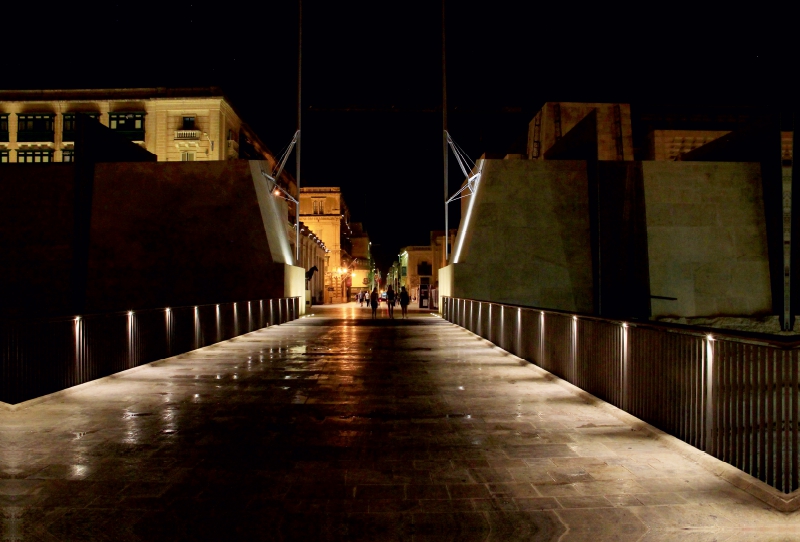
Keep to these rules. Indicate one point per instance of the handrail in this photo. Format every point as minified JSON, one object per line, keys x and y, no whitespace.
{"x":782,"y":341}
{"x":45,"y":355}
{"x":68,"y":318}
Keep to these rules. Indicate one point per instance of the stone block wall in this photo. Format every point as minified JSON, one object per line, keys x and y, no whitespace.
{"x":707,"y":240}
{"x":162,"y":234}
{"x":692,"y":231}
{"x":528,"y":237}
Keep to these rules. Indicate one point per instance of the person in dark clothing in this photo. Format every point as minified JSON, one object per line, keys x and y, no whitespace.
{"x":390,"y":299}
{"x":404,"y":301}
{"x":373,"y":301}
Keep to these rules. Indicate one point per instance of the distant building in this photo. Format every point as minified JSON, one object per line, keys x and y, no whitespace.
{"x":362,"y":259}
{"x":437,"y":247}
{"x":312,"y":254}
{"x":325,"y":213}
{"x":418,"y":266}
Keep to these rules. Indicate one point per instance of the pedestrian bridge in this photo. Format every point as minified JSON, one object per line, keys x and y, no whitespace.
{"x":335,"y":426}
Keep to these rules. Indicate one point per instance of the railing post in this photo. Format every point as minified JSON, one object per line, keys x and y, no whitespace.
{"x":625,"y":360}
{"x":708,"y":380}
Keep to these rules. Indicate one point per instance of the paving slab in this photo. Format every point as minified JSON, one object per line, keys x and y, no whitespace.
{"x":340,"y":427}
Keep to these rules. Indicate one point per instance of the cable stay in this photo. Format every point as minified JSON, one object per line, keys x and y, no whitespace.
{"x":467,"y":167}
{"x":276,"y":173}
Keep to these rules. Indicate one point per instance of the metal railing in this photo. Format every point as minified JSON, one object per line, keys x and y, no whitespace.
{"x":41,"y":356}
{"x":733,"y":395}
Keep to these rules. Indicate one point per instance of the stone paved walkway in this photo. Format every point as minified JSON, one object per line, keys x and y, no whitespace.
{"x":337,"y":427}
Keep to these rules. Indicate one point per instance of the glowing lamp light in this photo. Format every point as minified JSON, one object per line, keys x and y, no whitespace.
{"x":710,"y":337}
{"x":276,"y":192}
{"x":130,"y":313}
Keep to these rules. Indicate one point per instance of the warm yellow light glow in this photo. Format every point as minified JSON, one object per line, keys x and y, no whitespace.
{"x":463,"y":232}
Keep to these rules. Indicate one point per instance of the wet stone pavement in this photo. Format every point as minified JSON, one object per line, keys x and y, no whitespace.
{"x":337,"y":427}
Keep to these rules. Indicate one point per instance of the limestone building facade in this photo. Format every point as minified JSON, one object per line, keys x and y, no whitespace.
{"x":312,"y":254}
{"x":361,"y":264}
{"x":416,"y":268}
{"x":174,"y":124}
{"x":324,"y":212}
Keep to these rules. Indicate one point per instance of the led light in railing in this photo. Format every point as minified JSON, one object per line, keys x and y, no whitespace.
{"x":574,"y":317}
{"x":710,"y":337}
{"x":624,"y":325}
{"x":130,"y":313}
{"x":167,"y":309}
{"x":77,"y":318}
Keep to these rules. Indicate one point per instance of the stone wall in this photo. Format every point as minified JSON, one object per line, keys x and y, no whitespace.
{"x":707,"y":240}
{"x":528,"y":239}
{"x":161,"y":235}
{"x":36,"y":234}
{"x":692,"y":231}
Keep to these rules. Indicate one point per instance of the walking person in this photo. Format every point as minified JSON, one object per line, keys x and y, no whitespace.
{"x":373,"y":301}
{"x":390,"y":299}
{"x":404,"y":301}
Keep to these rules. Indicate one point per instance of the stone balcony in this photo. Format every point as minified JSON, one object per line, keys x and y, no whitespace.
{"x":187,"y":135}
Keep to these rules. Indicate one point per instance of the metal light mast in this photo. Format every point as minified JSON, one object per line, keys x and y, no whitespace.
{"x":445,"y":255}
{"x":299,"y":119}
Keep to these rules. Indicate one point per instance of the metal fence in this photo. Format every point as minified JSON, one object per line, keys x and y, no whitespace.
{"x":732,"y":395}
{"x":42,"y":356}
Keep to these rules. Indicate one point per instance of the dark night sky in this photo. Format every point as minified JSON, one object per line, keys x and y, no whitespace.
{"x":372,"y":76}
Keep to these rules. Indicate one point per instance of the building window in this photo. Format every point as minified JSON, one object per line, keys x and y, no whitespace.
{"x":70,"y":125}
{"x":424,"y":268}
{"x":68,"y":156}
{"x":34,"y":157}
{"x":318,"y":206}
{"x":3,"y":127}
{"x":35,"y":127}
{"x":131,"y":125}
{"x":187,"y":157}
{"x":188,"y":123}
{"x":3,"y":157}
{"x":403,"y":271}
